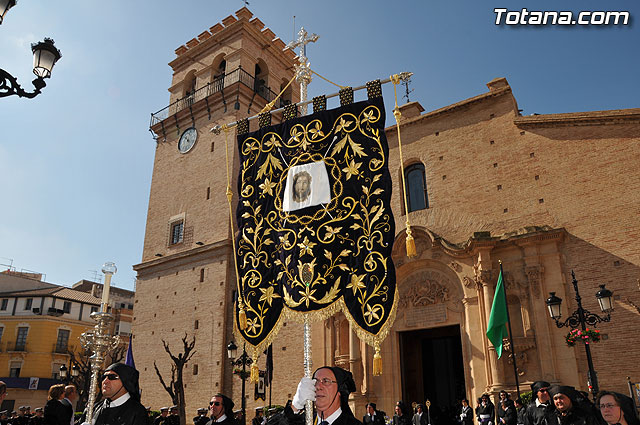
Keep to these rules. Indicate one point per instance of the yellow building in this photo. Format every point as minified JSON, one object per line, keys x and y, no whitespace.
{"x":39,"y":325}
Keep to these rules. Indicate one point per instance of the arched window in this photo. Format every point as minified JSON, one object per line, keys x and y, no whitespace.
{"x":261,"y":73}
{"x":416,"y":187}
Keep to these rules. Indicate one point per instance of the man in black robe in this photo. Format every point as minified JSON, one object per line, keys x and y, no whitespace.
{"x":567,"y":410}
{"x":121,"y":398}
{"x":373,"y":416}
{"x":221,"y":410}
{"x":329,"y":388}
{"x":486,"y":411}
{"x":540,"y":407}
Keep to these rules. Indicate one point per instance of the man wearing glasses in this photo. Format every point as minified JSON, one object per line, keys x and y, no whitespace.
{"x":540,"y":407}
{"x":221,"y":409}
{"x":330,"y":389}
{"x":121,"y":398}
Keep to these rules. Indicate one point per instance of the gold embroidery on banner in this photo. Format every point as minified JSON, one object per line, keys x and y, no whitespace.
{"x":266,"y":241}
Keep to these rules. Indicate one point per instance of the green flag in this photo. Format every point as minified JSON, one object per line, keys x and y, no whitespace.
{"x":497,"y":329}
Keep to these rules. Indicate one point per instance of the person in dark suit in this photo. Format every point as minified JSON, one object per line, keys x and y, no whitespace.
{"x":257,"y":420}
{"x":419,"y":418}
{"x":70,"y":397}
{"x":402,"y":415}
{"x":38,"y":417}
{"x":466,"y":413}
{"x":373,"y":416}
{"x":54,"y":411}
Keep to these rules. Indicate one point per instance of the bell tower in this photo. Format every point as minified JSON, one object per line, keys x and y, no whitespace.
{"x":186,"y":279}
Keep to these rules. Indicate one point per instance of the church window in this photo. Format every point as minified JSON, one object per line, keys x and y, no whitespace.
{"x":177,"y":232}
{"x":28,"y":303}
{"x":67,"y":307}
{"x":4,"y":304}
{"x":416,"y":187}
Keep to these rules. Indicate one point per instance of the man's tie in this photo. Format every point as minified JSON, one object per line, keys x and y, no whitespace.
{"x":324,"y":423}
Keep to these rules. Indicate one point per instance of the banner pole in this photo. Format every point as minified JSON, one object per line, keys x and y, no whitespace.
{"x":307,"y":366}
{"x":513,"y":347}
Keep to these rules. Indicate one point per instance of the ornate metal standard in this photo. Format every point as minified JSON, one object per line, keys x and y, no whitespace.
{"x":303,"y":76}
{"x":303,"y":70}
{"x":99,"y":341}
{"x":244,"y":360}
{"x":583,"y":317}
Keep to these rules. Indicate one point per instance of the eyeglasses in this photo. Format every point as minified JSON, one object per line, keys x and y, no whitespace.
{"x":110,"y":377}
{"x":543,"y":390}
{"x":607,"y":406}
{"x":326,"y":381}
{"x":214,"y":403}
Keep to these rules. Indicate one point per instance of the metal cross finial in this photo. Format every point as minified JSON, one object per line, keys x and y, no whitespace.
{"x":303,"y":70}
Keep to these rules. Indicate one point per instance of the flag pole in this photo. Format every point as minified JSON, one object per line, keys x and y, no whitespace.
{"x":513,"y":347}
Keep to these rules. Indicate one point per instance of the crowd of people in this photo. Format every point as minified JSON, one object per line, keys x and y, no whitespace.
{"x":329,"y":391}
{"x":553,"y":405}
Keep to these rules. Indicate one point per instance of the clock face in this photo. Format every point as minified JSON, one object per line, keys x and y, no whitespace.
{"x":187,"y":140}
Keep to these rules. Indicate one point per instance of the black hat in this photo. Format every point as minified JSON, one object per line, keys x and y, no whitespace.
{"x":129,"y":377}
{"x":564,"y":389}
{"x":346,"y":385}
{"x":227,"y":403}
{"x":535,"y":387}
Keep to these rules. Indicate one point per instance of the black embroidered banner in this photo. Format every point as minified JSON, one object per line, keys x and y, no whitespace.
{"x":315,"y":223}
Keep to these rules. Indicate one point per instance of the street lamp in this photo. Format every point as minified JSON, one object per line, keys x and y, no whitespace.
{"x":581,"y":318}
{"x":244,"y":361}
{"x":45,"y":56}
{"x":5,"y":5}
{"x":75,"y":371}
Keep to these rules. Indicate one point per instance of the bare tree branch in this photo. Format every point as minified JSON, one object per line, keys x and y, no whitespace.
{"x":175,"y":388}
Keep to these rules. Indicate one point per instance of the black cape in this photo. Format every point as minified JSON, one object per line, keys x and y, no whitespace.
{"x":288,"y":417}
{"x":130,"y":413}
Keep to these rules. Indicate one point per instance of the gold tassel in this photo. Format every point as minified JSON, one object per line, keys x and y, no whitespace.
{"x":411,"y":244}
{"x":377,"y":362}
{"x":255,"y":372}
{"x":242,"y":316}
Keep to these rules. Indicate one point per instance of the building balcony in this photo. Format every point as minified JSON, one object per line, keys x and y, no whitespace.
{"x":61,"y":349}
{"x":219,"y":84}
{"x":16,"y":347}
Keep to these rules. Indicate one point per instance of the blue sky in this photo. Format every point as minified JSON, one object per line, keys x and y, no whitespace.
{"x":76,"y":161}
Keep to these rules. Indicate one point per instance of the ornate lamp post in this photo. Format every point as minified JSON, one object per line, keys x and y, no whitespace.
{"x":581,"y":318}
{"x":45,"y":55}
{"x":64,"y":373}
{"x":5,"y":5}
{"x":244,"y":361}
{"x":100,"y":340}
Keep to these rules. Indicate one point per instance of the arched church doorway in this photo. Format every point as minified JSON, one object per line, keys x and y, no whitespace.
{"x":432,"y":369}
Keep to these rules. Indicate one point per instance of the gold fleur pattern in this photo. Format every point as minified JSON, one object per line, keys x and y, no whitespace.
{"x":325,"y":258}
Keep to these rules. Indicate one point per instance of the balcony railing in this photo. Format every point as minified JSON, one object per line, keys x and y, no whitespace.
{"x":60,"y":349}
{"x":18,"y":346}
{"x":217,"y":85}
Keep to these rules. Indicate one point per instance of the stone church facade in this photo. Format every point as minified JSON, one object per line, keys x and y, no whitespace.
{"x":544,"y":194}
